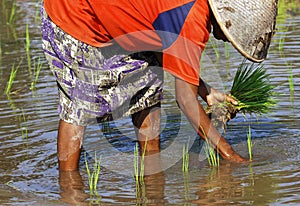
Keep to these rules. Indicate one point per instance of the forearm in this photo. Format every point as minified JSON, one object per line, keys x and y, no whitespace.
{"x":187,"y":99}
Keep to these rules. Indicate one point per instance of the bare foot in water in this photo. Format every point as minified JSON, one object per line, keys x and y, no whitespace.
{"x":229,"y":154}
{"x":236,"y":158}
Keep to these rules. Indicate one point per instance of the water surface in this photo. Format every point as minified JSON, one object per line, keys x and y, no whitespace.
{"x":28,"y":122}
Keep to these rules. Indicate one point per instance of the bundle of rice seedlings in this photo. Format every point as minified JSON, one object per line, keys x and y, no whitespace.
{"x":252,"y":89}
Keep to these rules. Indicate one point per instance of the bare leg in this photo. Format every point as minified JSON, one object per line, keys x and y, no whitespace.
{"x":147,"y":124}
{"x":69,"y":145}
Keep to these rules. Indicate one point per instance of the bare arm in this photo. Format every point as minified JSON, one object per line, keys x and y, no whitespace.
{"x":204,"y":90}
{"x":187,"y":99}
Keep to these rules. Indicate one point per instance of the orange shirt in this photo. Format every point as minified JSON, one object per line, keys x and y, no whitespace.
{"x":179,"y":28}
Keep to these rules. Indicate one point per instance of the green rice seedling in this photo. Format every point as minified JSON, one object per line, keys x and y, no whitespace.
{"x":37,"y":68}
{"x":136,"y":162}
{"x":212,"y":156}
{"x":93,"y":176}
{"x":207,"y":149}
{"x":37,"y":16}
{"x":226,"y":48}
{"x":97,"y":168}
{"x":136,"y":169}
{"x":294,"y":6}
{"x":12,"y":105}
{"x":214,"y":44}
{"x":12,"y":76}
{"x":281,"y":43}
{"x":12,"y":13}
{"x":27,"y":47}
{"x":185,"y":158}
{"x":249,"y":143}
{"x":139,"y":172}
{"x":139,"y":165}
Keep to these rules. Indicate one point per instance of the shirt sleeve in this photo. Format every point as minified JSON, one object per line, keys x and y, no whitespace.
{"x":182,"y":57}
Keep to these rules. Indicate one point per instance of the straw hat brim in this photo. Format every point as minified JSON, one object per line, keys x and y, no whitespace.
{"x":248,"y":24}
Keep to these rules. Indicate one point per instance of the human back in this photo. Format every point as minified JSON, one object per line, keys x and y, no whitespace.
{"x":97,"y":22}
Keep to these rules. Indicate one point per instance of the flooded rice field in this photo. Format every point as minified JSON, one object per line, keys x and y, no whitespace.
{"x":28,"y":129}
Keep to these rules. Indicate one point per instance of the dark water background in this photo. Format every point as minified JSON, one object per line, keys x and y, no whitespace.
{"x":28,"y":122}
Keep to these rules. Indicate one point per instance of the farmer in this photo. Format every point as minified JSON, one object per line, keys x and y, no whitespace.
{"x":106,"y":54}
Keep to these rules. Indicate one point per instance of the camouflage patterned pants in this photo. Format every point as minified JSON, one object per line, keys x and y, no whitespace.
{"x":95,"y":85}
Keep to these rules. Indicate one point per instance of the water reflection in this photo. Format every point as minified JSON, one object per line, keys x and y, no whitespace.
{"x":28,"y":169}
{"x":219,"y":187}
{"x":72,"y":188}
{"x":152,"y":191}
{"x":230,"y":185}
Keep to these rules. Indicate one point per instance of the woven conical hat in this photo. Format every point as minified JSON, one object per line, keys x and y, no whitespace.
{"x":248,"y":24}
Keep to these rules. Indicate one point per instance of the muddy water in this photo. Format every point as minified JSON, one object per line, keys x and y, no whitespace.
{"x":28,"y":122}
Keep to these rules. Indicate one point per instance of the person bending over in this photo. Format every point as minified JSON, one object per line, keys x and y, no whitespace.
{"x":107,"y":57}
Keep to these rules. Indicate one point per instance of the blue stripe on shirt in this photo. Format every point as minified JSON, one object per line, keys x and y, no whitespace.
{"x":169,"y":23}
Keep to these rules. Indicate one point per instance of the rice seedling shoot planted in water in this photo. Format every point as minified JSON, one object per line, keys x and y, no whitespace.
{"x":11,"y":79}
{"x":185,"y":157}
